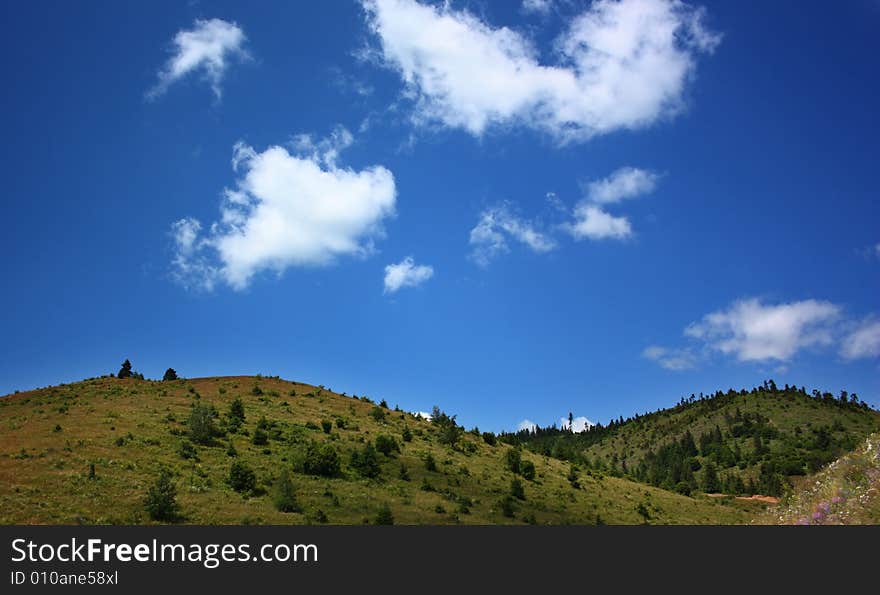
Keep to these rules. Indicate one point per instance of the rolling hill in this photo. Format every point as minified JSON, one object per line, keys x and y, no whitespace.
{"x":739,"y":442}
{"x":261,"y":450}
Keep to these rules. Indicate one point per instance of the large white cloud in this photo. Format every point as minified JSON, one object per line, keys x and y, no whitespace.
{"x":618,"y":65}
{"x":207,"y":48}
{"x":752,"y":331}
{"x":406,"y":273}
{"x":863,"y":341}
{"x":299,"y":209}
{"x":489,"y":238}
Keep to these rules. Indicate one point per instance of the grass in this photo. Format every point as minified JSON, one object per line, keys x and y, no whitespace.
{"x":129,"y":430}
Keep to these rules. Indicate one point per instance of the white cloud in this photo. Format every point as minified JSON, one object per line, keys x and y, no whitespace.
{"x":626,"y":182}
{"x":207,"y":47}
{"x":578,"y":424}
{"x":619,"y":65}
{"x":526,"y":424}
{"x":863,"y":342}
{"x":423,"y":414}
{"x":286,"y":210}
{"x":592,"y":222}
{"x":671,"y":359}
{"x":537,"y":6}
{"x":406,"y":274}
{"x":752,"y":331}
{"x":489,"y":237}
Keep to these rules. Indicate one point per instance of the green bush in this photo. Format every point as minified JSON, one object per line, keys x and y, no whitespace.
{"x":407,"y":435}
{"x":513,"y":460}
{"x":384,"y":516}
{"x":235,"y":415}
{"x":242,"y":478}
{"x":430,"y":463}
{"x":326,"y":425}
{"x":508,"y":509}
{"x":489,"y":438}
{"x":201,"y":426}
{"x":386,"y":444}
{"x":188,"y":451}
{"x":517,"y":490}
{"x":378,"y":414}
{"x":527,"y":469}
{"x":366,"y":462}
{"x":285,"y":495}
{"x":161,"y":499}
{"x":317,"y":459}
{"x":260,"y":437}
{"x":341,"y":423}
{"x":404,"y":473}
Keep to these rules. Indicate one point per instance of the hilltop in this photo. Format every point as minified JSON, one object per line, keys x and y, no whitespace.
{"x":746,"y":442}
{"x":239,"y":450}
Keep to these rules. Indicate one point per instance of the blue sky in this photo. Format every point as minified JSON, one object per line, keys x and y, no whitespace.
{"x":509,"y":210}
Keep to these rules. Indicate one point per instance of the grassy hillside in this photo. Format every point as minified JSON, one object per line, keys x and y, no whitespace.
{"x":89,"y":452}
{"x":746,"y":442}
{"x":846,"y":492}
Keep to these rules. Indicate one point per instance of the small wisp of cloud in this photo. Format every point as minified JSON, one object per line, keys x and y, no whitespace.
{"x":406,"y":273}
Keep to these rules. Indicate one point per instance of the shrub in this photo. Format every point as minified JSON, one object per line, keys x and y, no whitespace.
{"x":161,"y":499}
{"x":404,"y":473}
{"x":378,"y":414}
{"x":573,"y":477}
{"x":231,"y":452}
{"x":200,"y":424}
{"x":507,"y":507}
{"x":383,"y":404}
{"x":517,"y":490}
{"x":285,"y":495}
{"x":384,"y":516}
{"x":170,"y":374}
{"x":365,"y":461}
{"x":386,"y":444}
{"x":527,"y":469}
{"x":341,"y":423}
{"x":406,"y":435}
{"x":326,"y":425}
{"x":430,"y":463}
{"x":489,"y":438}
{"x":57,"y":428}
{"x":242,"y":478}
{"x":257,"y":391}
{"x":318,"y":459}
{"x":513,"y":460}
{"x":260,"y":437}
{"x":188,"y":451}
{"x":235,"y":415}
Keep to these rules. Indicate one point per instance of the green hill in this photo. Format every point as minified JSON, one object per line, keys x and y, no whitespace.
{"x":740,"y":443}
{"x":264,"y":450}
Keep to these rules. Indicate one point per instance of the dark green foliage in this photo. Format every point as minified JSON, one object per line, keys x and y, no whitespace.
{"x":527,"y":470}
{"x":285,"y":494}
{"x":572,"y":477}
{"x":489,"y":438}
{"x":125,"y":370}
{"x":188,"y":451}
{"x":161,"y":499}
{"x":326,"y":425}
{"x":230,"y":451}
{"x":341,"y":423}
{"x":365,"y":461}
{"x":242,"y":478}
{"x":260,"y":437}
{"x":384,"y":516}
{"x":383,"y":404}
{"x":170,"y":374}
{"x":406,"y":435}
{"x":430,"y":463}
{"x":513,"y":460}
{"x":404,"y":473}
{"x":57,"y":428}
{"x":517,"y":490}
{"x":92,"y":474}
{"x":508,"y":509}
{"x":378,"y":414}
{"x":450,"y":431}
{"x":257,"y":391}
{"x":235,"y":416}
{"x":317,"y":459}
{"x":200,"y":425}
{"x":643,"y":512}
{"x":710,"y":483}
{"x":386,"y":444}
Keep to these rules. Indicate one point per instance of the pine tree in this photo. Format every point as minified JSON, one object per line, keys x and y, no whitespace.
{"x":125,"y":371}
{"x":170,"y":374}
